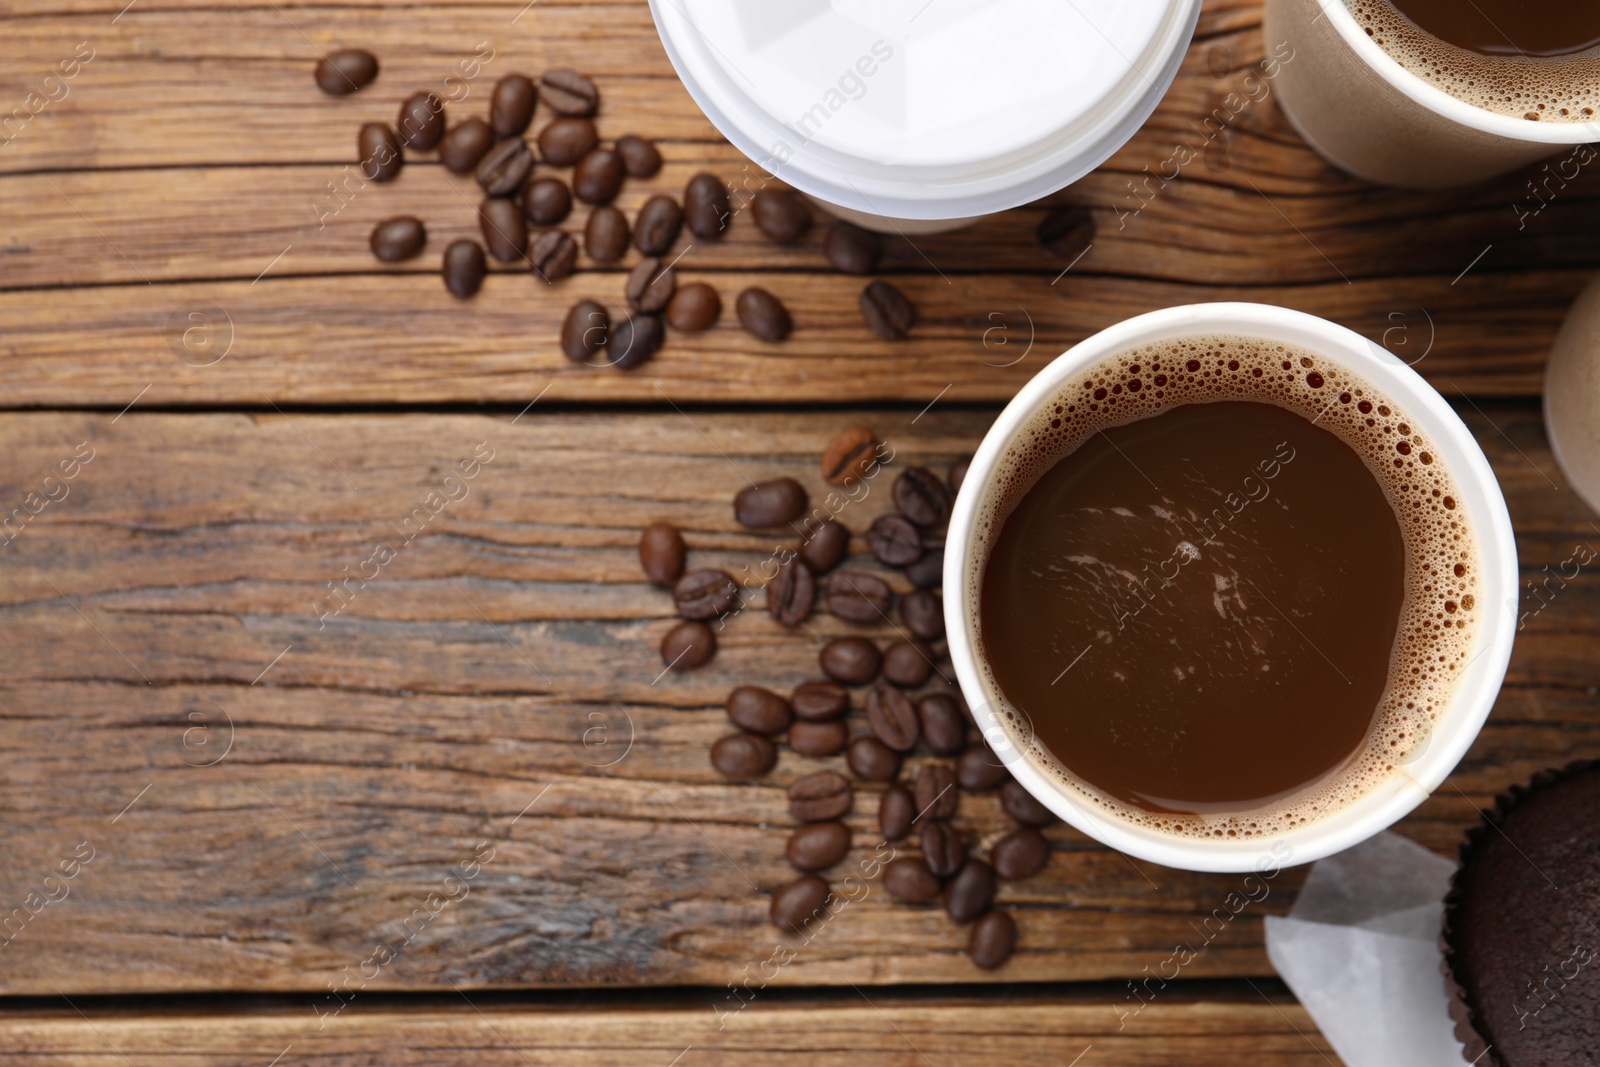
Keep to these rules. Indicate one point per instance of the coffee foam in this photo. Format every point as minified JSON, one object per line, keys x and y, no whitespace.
{"x":1539,"y":88}
{"x":1438,"y":615}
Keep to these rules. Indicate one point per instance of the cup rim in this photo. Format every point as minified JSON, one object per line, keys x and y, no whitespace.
{"x":1477,"y":687}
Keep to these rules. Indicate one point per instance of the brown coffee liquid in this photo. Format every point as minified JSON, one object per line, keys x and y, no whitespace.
{"x":1509,"y":27}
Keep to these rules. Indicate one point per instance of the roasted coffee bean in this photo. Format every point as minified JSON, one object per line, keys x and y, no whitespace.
{"x":583,"y":333}
{"x":565,"y":141}
{"x":956,"y":474}
{"x":772,"y":503}
{"x":1020,"y":854}
{"x":908,"y":879}
{"x":463,"y":267}
{"x":511,"y":105}
{"x":896,"y":810}
{"x":907,"y":663}
{"x":781,"y":215}
{"x":970,"y":893}
{"x":1023,"y":806}
{"x":650,"y":285}
{"x":923,"y":614}
{"x":943,"y":726}
{"x":819,"y":701}
{"x":398,"y":238}
{"x":928,"y":572}
{"x":379,"y":152}
{"x":636,"y":340}
{"x":345,"y":71}
{"x":791,"y":593}
{"x":705,"y":594}
{"x":936,"y":793}
{"x":824,"y":795}
{"x":818,"y":846}
{"x":859,"y":597}
{"x":1066,"y":231}
{"x":640,"y":158}
{"x":763,"y":314}
{"x":661,"y":552}
{"x":693,"y":308}
{"x":921,"y":497}
{"x":605,"y":238}
{"x":980,"y":770}
{"x":546,"y":201}
{"x":887,"y":312}
{"x":705,"y":205}
{"x":688,"y":645}
{"x":801,"y":904}
{"x":598,"y":176}
{"x":825,"y":547}
{"x":818,"y":738}
{"x":505,"y":231}
{"x":504,"y":168}
{"x":761,"y":711}
{"x":894,"y":540}
{"x":566,"y":92}
{"x":657,"y":225}
{"x":872,"y":760}
{"x":742,"y":755}
{"x":945,"y":668}
{"x":464,"y":145}
{"x":993,"y":940}
{"x":942,"y":848}
{"x":850,"y":455}
{"x":421,"y":121}
{"x":893,"y":718}
{"x":853,"y":250}
{"x":554,"y":255}
{"x":851,"y":660}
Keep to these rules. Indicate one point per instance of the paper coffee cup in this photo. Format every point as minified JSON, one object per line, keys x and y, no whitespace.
{"x":930,"y":111}
{"x":1420,"y":770}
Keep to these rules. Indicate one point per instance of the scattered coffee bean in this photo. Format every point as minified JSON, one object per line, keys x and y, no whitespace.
{"x":923,"y":614}
{"x":887,"y":312}
{"x":379,"y":152}
{"x":818,"y":738}
{"x":705,"y":205}
{"x":781,"y":215}
{"x":993,"y":940}
{"x":957,"y":473}
{"x":851,"y":660}
{"x":565,"y":141}
{"x":980,"y":770}
{"x":511,"y":105}
{"x":661,"y":552}
{"x":464,"y":145}
{"x":345,"y":71}
{"x":791,"y":593}
{"x":772,"y":503}
{"x":566,"y":92}
{"x":943,"y":726}
{"x":928,"y":572}
{"x":763,"y":314}
{"x":894,"y":540}
{"x":421,"y":121}
{"x":598,"y":176}
{"x":907,"y":663}
{"x":463,"y":267}
{"x":554,"y":255}
{"x":945,"y":668}
{"x":1020,"y":854}
{"x":650,"y":285}
{"x":819,"y":701}
{"x":742,"y":755}
{"x":693,"y":308}
{"x":853,"y":250}
{"x":504,"y":168}
{"x":921,"y":497}
{"x":859,"y":597}
{"x":761,"y":711}
{"x":657,"y":225}
{"x":605,"y":238}
{"x":937,"y":797}
{"x":1066,"y":231}
{"x":908,"y":879}
{"x":398,"y":238}
{"x":970,"y":893}
{"x":872,"y":760}
{"x":505,"y":231}
{"x":546,"y":201}
{"x":801,"y":902}
{"x":635,"y":341}
{"x":825,"y":547}
{"x":818,"y":846}
{"x":942,"y":848}
{"x":688,"y":645}
{"x":583,"y":333}
{"x":896,"y":810}
{"x":893,"y":718}
{"x":1023,"y":806}
{"x":850,"y":455}
{"x":640,"y":158}
{"x":820,"y":796}
{"x":705,"y":594}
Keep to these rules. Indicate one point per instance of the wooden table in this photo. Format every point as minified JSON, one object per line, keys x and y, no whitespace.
{"x":269,"y":795}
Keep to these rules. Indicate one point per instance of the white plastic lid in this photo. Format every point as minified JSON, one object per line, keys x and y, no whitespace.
{"x":927,"y":109}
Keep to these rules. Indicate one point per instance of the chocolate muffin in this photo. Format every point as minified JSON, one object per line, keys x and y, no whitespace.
{"x":1521,"y":944}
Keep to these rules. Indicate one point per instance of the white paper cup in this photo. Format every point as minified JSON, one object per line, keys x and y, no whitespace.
{"x":1480,"y":503}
